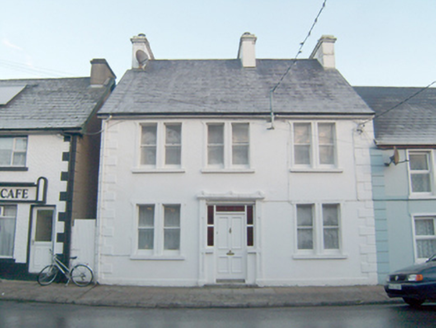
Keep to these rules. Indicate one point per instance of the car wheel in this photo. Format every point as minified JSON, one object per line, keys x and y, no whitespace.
{"x":413,"y":301}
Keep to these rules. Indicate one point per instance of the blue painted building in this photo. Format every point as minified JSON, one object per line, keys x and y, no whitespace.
{"x":403,"y":174}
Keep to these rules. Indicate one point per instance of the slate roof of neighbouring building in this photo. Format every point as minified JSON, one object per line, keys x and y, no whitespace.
{"x":211,"y":87}
{"x":64,"y":103}
{"x":411,"y":123}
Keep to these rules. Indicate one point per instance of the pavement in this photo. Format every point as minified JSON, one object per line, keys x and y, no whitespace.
{"x":192,"y":297}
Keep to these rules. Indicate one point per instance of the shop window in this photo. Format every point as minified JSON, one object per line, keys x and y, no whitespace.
{"x":8,"y":217}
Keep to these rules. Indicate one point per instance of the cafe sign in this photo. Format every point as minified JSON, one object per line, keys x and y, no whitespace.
{"x":23,"y":192}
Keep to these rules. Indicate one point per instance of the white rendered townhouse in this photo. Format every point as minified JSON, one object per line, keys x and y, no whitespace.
{"x":208,"y":177}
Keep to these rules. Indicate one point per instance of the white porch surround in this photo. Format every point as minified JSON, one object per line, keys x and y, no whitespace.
{"x":208,"y":255}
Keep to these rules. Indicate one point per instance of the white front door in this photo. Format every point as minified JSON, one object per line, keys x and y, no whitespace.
{"x":41,"y":243}
{"x":230,"y":247}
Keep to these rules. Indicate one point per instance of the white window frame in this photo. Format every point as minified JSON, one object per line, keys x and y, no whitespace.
{"x":4,"y":217}
{"x":430,"y":171}
{"x":14,"y":151}
{"x":227,"y":165}
{"x":422,"y":237}
{"x":161,"y":147}
{"x":158,"y":251}
{"x":315,"y":145}
{"x":318,"y":250}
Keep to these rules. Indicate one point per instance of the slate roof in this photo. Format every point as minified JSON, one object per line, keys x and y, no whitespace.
{"x":211,"y":87}
{"x":63,"y":104}
{"x":411,"y":123}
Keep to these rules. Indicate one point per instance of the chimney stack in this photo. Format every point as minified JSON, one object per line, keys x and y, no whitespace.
{"x":246,"y":50}
{"x":324,"y":51}
{"x":101,"y":72}
{"x":141,"y":51}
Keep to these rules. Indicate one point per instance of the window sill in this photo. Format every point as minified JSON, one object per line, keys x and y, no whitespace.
{"x":422,"y":196}
{"x":7,"y":259}
{"x":14,"y":168}
{"x":320,"y":257}
{"x":157,"y":170}
{"x":315,"y":170}
{"x":157,"y":257}
{"x":226,"y":171}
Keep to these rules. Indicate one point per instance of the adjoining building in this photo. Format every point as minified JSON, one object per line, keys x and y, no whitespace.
{"x":49,"y":159}
{"x":403,"y":169}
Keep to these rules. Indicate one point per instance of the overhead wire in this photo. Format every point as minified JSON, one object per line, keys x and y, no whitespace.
{"x":36,"y":71}
{"x":300,"y":50}
{"x":400,"y":103}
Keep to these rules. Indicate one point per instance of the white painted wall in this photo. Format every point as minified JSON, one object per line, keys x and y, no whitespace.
{"x":44,"y":159}
{"x":83,"y":241}
{"x":270,"y":184}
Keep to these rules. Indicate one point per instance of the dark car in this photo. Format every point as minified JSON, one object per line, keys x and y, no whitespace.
{"x":415,"y":284}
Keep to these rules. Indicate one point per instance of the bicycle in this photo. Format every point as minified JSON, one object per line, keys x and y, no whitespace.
{"x":80,"y":274}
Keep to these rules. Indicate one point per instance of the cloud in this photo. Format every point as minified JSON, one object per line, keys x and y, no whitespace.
{"x":10,"y":45}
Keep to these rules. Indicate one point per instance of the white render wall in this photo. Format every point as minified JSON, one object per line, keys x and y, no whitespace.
{"x":270,"y":183}
{"x":44,"y":159}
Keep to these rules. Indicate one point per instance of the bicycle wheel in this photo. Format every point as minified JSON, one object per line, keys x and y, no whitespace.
{"x":48,"y":275}
{"x":82,"y":275}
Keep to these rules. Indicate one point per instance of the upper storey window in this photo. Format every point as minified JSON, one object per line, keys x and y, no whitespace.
{"x":420,"y":173}
{"x":228,"y":145}
{"x":314,"y":145}
{"x":13,"y":151}
{"x":161,"y":145}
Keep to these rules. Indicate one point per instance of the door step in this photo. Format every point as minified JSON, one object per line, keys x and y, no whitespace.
{"x":230,"y":283}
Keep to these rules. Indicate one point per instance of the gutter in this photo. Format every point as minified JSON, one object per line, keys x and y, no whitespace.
{"x":383,"y":146}
{"x":261,"y":115}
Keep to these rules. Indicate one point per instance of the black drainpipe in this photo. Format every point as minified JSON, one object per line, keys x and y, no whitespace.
{"x":69,"y":199}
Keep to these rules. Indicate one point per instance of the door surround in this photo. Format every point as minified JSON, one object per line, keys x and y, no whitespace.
{"x":207,"y":255}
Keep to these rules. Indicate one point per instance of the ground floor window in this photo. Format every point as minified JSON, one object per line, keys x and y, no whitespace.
{"x":159,"y":227}
{"x":318,"y":227}
{"x":8,"y":217}
{"x":425,"y":237}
